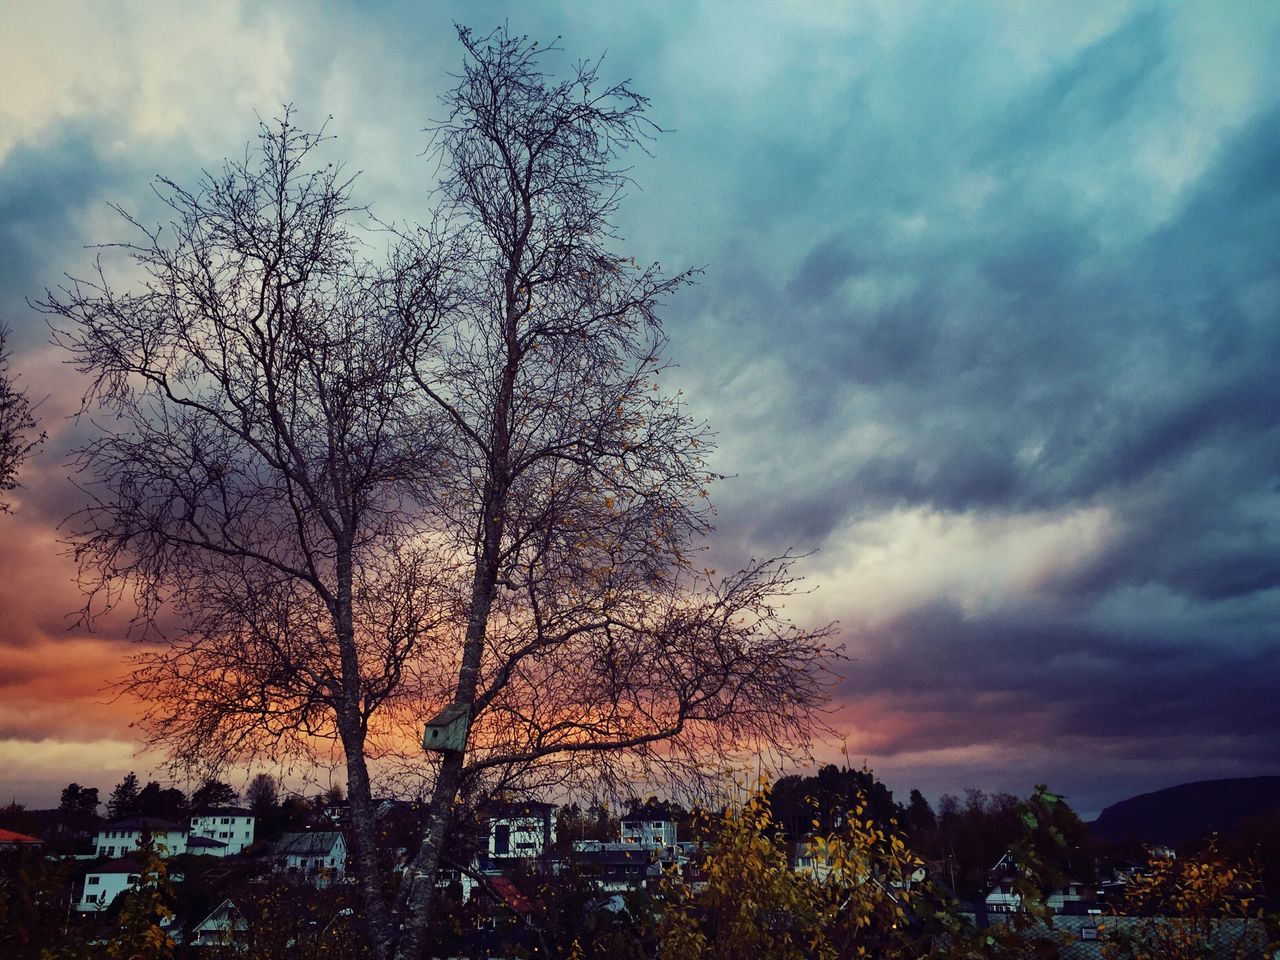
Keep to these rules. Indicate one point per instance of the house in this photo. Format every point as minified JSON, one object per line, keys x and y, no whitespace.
{"x":106,"y":881}
{"x":1075,"y":897}
{"x":317,"y":857}
{"x":231,"y":826}
{"x":123,"y":837}
{"x":808,"y":861}
{"x":616,"y":867}
{"x":225,"y":925}
{"x":526,"y":830}
{"x":1001,"y":897}
{"x":11,"y":840}
{"x":648,"y":829}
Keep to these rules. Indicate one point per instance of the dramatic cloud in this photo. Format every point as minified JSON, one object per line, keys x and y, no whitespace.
{"x":989,"y":320}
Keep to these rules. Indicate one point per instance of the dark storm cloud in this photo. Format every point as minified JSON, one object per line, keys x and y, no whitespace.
{"x":1074,"y":681}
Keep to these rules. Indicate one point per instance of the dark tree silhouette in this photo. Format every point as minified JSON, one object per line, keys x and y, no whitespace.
{"x":262,"y":794}
{"x":157,"y":801}
{"x":255,"y":486}
{"x":123,"y":801}
{"x":82,"y":801}
{"x":214,"y":793}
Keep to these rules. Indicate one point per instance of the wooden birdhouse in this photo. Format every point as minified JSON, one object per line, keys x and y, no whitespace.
{"x":447,"y":730}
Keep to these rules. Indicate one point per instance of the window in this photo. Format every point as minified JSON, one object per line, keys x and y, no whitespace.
{"x":502,"y":839}
{"x":93,"y":881}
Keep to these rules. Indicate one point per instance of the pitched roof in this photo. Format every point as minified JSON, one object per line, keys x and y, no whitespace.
{"x":222,"y":812}
{"x":310,"y":844}
{"x":10,"y":836}
{"x":197,"y":841}
{"x":510,"y":894}
{"x":229,"y":906}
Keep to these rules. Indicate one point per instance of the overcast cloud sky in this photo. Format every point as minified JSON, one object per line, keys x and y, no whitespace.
{"x":989,"y":322}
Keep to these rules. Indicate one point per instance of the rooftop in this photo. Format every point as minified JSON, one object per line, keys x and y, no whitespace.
{"x":313,"y":843}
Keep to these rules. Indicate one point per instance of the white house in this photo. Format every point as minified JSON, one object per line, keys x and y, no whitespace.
{"x":107,"y":881}
{"x":648,"y":830}
{"x":232,"y":827}
{"x":122,"y":837}
{"x":817,"y":867}
{"x":1001,"y":897}
{"x":317,"y":857}
{"x":224,"y":926}
{"x":522,"y":830}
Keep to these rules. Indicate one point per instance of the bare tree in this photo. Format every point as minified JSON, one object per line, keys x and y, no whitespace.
{"x":18,"y":439}
{"x":262,"y":794}
{"x":592,"y":645}
{"x":368,"y":492}
{"x":255,"y":482}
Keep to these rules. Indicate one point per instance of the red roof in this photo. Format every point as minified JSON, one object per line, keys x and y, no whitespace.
{"x":511,"y":896}
{"x":8,"y":836}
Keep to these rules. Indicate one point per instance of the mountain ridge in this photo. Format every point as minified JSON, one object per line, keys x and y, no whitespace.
{"x":1188,"y":811}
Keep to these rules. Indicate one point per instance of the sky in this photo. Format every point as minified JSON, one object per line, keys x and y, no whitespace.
{"x":988,"y":327}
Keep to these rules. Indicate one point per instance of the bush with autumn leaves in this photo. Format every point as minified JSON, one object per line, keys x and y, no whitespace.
{"x":863,"y":894}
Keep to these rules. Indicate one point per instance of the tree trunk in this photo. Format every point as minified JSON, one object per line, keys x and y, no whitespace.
{"x":359,"y":792}
{"x":419,"y":890}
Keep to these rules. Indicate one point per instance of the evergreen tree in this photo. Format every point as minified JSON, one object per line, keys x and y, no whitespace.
{"x":157,"y":801}
{"x":124,"y":798}
{"x":214,"y":793}
{"x":79,"y":800}
{"x":921,"y":821}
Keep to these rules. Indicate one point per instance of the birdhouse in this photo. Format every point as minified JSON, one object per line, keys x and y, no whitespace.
{"x":448,"y":729}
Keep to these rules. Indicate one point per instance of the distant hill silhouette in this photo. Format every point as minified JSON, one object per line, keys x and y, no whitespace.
{"x":1188,"y":811}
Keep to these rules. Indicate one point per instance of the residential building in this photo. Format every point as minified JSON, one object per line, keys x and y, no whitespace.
{"x":317,"y":857}
{"x":1075,"y":897}
{"x":106,"y":881}
{"x":232,"y":827}
{"x":225,"y":925}
{"x":11,"y":840}
{"x":123,"y":837}
{"x":617,"y":867}
{"x":1001,"y":897}
{"x":526,"y":830}
{"x":648,"y":829}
